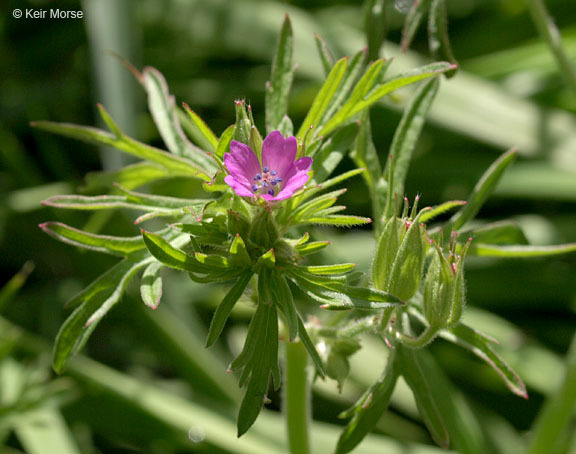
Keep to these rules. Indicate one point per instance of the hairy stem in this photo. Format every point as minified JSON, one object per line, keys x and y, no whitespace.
{"x":297,"y":398}
{"x":424,"y":339}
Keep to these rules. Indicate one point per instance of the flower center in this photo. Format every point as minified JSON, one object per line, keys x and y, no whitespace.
{"x":266,"y":182}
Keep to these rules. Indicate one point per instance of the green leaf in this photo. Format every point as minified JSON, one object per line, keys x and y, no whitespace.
{"x":352,"y":73}
{"x":369,"y":409}
{"x":501,"y":232}
{"x":155,"y":204}
{"x":115,"y":245}
{"x":555,"y":417}
{"x":307,"y":342}
{"x":372,"y":294}
{"x":493,"y":250}
{"x":199,"y":131}
{"x":412,"y":22}
{"x":375,"y":26}
{"x":163,"y":109}
{"x":438,"y":38}
{"x":278,"y":89}
{"x":483,"y":190}
{"x":478,"y":344}
{"x":372,"y":75}
{"x":329,"y":183}
{"x":325,"y":55}
{"x":151,"y":285}
{"x":415,"y":370}
{"x":78,"y":327}
{"x":365,"y":156}
{"x":171,"y":256}
{"x":282,"y":297}
{"x":131,"y":176}
{"x":324,"y":97}
{"x":339,"y":220}
{"x":332,"y":152}
{"x":315,"y":205}
{"x":341,"y":268}
{"x":311,"y":248}
{"x":126,"y":144}
{"x":225,"y":307}
{"x":224,"y":142}
{"x":42,"y":430}
{"x":437,"y":210}
{"x":408,"y":132}
{"x":260,"y":366}
{"x":10,"y":289}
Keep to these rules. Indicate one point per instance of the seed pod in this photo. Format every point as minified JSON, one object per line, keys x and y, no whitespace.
{"x":444,"y":288}
{"x":399,"y":258}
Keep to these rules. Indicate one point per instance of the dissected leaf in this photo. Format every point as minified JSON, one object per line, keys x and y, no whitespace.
{"x":225,"y":307}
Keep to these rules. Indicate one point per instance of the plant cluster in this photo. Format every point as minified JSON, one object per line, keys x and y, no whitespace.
{"x":262,"y":192}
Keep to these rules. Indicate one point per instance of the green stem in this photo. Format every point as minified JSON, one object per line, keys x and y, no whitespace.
{"x":424,"y":339}
{"x":549,"y":32}
{"x":297,"y":398}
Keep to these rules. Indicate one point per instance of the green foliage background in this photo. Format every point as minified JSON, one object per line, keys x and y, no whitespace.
{"x":508,"y":93}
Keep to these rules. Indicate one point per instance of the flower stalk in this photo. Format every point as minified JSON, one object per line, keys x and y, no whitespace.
{"x":296,"y":401}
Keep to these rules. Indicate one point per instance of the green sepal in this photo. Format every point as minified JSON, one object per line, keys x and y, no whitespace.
{"x":263,"y":231}
{"x":225,"y":139}
{"x":239,"y":256}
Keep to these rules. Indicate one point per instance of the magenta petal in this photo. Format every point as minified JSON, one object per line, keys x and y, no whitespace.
{"x":241,"y":162}
{"x":240,"y":188}
{"x":279,"y":153}
{"x":302,"y":165}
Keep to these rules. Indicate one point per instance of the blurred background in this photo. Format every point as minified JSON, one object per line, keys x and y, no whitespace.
{"x":508,"y":93}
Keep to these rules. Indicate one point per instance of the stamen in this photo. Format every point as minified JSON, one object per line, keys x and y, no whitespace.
{"x":274,"y":182}
{"x":271,"y":192}
{"x":258,"y":177}
{"x":266,"y":170}
{"x":264,"y":184}
{"x":255,"y":188}
{"x":273,"y":173}
{"x":278,"y":179}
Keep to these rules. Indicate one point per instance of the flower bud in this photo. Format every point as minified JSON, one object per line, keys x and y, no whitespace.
{"x":337,"y":362}
{"x":399,"y":258}
{"x":444,"y":288}
{"x":243,"y":127}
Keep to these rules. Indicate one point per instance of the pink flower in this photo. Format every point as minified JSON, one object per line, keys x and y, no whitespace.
{"x":277,"y":178}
